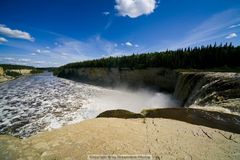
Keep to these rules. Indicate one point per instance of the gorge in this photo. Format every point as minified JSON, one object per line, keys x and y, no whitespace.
{"x":218,"y":91}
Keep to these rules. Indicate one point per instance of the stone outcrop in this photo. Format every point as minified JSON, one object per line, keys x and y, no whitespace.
{"x":161,"y":138}
{"x":21,"y":71}
{"x":154,"y":78}
{"x":1,"y":71}
{"x":223,"y":121}
{"x":217,"y":91}
{"x":120,"y":114}
{"x":4,"y":77}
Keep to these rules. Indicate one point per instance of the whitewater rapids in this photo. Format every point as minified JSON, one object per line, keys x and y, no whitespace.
{"x":43,"y":102}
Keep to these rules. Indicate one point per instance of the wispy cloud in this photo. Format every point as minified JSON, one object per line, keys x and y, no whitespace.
{"x":130,"y":44}
{"x":21,"y":61}
{"x":14,"y":33}
{"x":9,"y":58}
{"x":106,"y":13}
{"x":211,"y":29}
{"x":65,"y":50}
{"x":232,"y":35}
{"x":3,"y":40}
{"x":235,"y":26}
{"x":24,"y":60}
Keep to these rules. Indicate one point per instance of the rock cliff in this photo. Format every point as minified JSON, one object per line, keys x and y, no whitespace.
{"x":206,"y":90}
{"x":1,"y":71}
{"x":154,"y":78}
{"x":212,"y":91}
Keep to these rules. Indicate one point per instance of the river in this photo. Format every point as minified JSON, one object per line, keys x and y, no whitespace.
{"x":42,"y":102}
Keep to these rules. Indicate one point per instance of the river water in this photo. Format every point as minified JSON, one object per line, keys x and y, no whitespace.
{"x":36,"y":103}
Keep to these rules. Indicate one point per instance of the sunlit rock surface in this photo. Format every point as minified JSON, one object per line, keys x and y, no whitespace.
{"x":162,"y":138}
{"x":1,"y":71}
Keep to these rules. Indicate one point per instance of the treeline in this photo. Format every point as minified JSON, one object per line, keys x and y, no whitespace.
{"x":9,"y":69}
{"x":13,"y":66}
{"x":205,"y":57}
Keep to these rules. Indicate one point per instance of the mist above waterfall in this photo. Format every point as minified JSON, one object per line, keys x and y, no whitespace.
{"x":135,"y":101}
{"x":42,"y":102}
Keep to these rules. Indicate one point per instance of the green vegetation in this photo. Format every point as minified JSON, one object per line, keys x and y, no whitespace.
{"x":13,"y":74}
{"x":222,"y":56}
{"x":49,"y":69}
{"x":14,"y":70}
{"x":36,"y":71}
{"x":13,"y":66}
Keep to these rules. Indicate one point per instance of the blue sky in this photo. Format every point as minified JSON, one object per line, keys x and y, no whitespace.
{"x":55,"y":32}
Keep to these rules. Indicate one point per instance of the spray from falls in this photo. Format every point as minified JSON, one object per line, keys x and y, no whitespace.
{"x":134,"y":101}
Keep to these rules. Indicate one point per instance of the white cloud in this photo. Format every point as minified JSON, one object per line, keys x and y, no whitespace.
{"x":9,"y":58}
{"x":235,"y":26}
{"x":24,"y":60}
{"x":46,"y":51}
{"x":41,"y":51}
{"x":129,"y":44}
{"x":39,"y":62}
{"x":232,"y":35}
{"x":38,"y":51}
{"x":136,"y":45}
{"x":3,"y":40}
{"x":135,"y":8}
{"x":33,"y":54}
{"x":212,"y":29}
{"x":106,"y":13}
{"x":15,"y":33}
{"x":71,"y":50}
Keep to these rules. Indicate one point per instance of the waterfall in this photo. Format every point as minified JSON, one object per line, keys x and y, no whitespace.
{"x":209,"y":90}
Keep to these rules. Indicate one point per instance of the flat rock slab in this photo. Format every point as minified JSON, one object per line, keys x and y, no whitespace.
{"x":161,"y":138}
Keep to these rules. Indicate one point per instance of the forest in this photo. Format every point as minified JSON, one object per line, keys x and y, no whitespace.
{"x":14,"y":66}
{"x":204,"y":57}
{"x":8,"y":68}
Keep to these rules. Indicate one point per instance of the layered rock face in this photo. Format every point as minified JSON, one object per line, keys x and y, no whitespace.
{"x":21,"y":71}
{"x":1,"y":71}
{"x":5,"y":77}
{"x":213,"y":91}
{"x":206,"y":90}
{"x":154,"y":78}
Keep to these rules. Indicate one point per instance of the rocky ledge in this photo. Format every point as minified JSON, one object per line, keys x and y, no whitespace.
{"x":162,"y":138}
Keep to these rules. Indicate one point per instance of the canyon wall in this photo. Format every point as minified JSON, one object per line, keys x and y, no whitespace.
{"x":1,"y":71}
{"x":206,"y":90}
{"x":160,"y":79}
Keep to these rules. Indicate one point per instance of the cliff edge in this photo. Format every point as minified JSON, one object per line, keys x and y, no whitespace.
{"x":161,"y":138}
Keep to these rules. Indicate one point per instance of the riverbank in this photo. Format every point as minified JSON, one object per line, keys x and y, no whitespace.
{"x":4,"y":77}
{"x":10,"y":72}
{"x":159,"y":137}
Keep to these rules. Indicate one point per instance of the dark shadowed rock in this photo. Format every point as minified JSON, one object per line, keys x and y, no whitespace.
{"x":222,"y":121}
{"x":120,"y":114}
